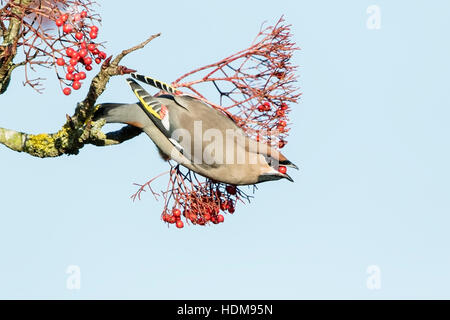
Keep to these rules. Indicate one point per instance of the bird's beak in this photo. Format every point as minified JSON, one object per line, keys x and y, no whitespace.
{"x":286,"y":176}
{"x":274,"y":176}
{"x":292,"y":165}
{"x":287,"y":163}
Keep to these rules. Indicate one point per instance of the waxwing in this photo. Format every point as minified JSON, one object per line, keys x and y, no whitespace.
{"x":196,"y":135}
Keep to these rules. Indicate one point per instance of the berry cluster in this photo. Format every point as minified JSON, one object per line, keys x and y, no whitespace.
{"x":194,"y":218}
{"x":81,"y":51}
{"x":279,"y":115}
{"x":203,"y":210}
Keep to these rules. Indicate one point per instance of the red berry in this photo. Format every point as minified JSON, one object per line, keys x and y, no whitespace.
{"x":284,"y":106}
{"x":224,"y":205}
{"x":87,"y":60}
{"x":82,"y":75}
{"x":77,"y":17}
{"x":282,"y":123}
{"x":231,"y":210}
{"x":88,"y":67}
{"x":102,"y":55}
{"x":231,"y":190}
{"x":214,"y":220}
{"x":59,"y":22}
{"x":79,"y":35}
{"x":76,"y":77}
{"x":83,"y":45}
{"x":98,"y":60}
{"x":75,"y":54}
{"x":282,"y":169}
{"x":67,"y":91}
{"x":76,"y":85}
{"x":280,"y":129}
{"x":65,"y":17}
{"x":69,"y":76}
{"x":67,"y":28}
{"x":207,"y":216}
{"x":69,"y":52}
{"x":267,"y":106}
{"x":280,"y":113}
{"x":94,"y":29}
{"x":83,"y":53}
{"x":176,"y":212}
{"x":71,"y":69}
{"x":172,"y":219}
{"x":83,"y":14}
{"x":91,"y":47}
{"x":93,"y":34}
{"x":220,"y":218}
{"x":73,"y":61}
{"x":180,"y":224}
{"x":60,"y":62}
{"x":281,"y":144}
{"x":261,"y":108}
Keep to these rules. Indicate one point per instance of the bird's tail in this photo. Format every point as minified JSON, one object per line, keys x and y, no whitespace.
{"x":120,"y":113}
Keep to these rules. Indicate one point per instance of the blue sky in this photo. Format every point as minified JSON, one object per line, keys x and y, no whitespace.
{"x":370,"y":135}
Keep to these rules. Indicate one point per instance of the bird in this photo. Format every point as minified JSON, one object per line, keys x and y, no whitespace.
{"x":197,"y":136}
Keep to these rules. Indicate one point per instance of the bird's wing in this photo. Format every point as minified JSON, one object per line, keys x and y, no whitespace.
{"x":155,"y":110}
{"x":187,"y":102}
{"x":155,"y":83}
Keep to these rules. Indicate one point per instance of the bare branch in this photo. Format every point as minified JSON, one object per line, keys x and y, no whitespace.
{"x":255,"y":86}
{"x":117,"y":60}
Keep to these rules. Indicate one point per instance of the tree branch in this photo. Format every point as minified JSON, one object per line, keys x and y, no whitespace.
{"x":8,"y":48}
{"x":79,"y":129}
